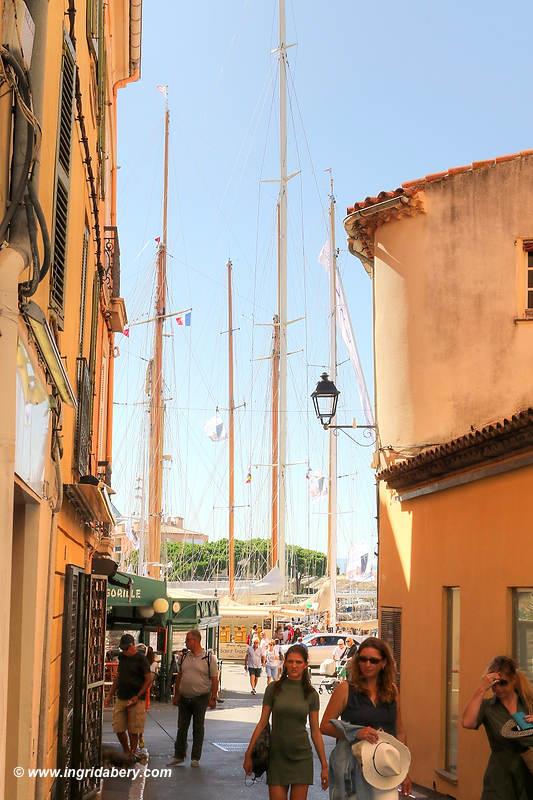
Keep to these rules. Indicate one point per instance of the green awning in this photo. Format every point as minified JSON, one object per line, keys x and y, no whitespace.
{"x":134,"y":590}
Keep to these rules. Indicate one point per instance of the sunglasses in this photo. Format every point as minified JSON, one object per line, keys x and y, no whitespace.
{"x":501,"y":682}
{"x":369,"y":659}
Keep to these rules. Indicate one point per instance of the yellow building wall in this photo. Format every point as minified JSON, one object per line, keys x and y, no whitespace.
{"x":449,"y":284}
{"x":35,"y":648}
{"x":449,"y":539}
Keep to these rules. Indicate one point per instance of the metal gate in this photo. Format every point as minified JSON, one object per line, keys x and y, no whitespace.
{"x":82,"y":683}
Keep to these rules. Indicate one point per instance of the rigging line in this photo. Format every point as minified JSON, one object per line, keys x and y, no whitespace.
{"x":291,"y":82}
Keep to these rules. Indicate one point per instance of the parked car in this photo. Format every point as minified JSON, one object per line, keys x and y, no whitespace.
{"x":321,"y":646}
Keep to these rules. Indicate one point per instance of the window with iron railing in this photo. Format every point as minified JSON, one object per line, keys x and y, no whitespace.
{"x":112,"y":260}
{"x":82,"y":448}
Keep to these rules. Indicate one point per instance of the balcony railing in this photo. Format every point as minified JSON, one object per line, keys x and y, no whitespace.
{"x":83,"y":423}
{"x":112,"y":260}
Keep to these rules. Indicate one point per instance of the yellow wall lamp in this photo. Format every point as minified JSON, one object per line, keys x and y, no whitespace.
{"x":46,"y":344}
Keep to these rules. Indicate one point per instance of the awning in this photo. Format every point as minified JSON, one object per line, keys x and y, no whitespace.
{"x":127,"y":589}
{"x":91,"y":497}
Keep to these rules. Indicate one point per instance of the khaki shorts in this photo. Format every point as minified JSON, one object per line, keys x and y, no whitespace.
{"x":128,"y":718}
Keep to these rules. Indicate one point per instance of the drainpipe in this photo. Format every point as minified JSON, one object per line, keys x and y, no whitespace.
{"x":12,"y":264}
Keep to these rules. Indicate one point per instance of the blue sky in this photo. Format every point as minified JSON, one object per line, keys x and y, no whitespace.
{"x":381,"y":93}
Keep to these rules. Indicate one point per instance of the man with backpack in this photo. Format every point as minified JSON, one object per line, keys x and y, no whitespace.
{"x":195,"y":690}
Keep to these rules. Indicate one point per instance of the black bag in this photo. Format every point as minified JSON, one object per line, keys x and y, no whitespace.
{"x":261,"y":752}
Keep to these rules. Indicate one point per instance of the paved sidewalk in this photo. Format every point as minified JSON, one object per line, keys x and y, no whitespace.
{"x":220,"y":776}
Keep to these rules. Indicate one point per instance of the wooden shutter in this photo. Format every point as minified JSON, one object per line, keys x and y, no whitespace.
{"x":83,"y":290}
{"x":61,"y":194}
{"x":391,"y":632}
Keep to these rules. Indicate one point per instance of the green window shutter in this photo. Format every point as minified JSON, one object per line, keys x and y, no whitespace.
{"x":62,"y":186}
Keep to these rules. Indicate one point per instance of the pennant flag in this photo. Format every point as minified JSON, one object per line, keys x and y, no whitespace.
{"x":215,"y":429}
{"x":248,"y":477}
{"x":126,"y":331}
{"x":157,"y":240}
{"x":345,"y":324}
{"x":184,"y":320}
{"x":163,"y":89}
{"x":318,"y":484}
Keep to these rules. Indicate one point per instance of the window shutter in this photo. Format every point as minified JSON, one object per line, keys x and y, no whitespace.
{"x":83,"y":292}
{"x":391,"y":632}
{"x":61,"y":198}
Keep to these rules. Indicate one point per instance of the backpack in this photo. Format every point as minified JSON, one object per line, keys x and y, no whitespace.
{"x":206,"y":658}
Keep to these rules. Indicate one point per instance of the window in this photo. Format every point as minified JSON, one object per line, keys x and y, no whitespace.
{"x":523,"y":629}
{"x":528,"y":249}
{"x":391,"y":632}
{"x":453,"y":627}
{"x":83,"y":290}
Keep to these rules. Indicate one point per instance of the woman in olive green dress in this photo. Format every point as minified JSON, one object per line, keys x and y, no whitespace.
{"x":291,"y":700}
{"x":506,"y":776}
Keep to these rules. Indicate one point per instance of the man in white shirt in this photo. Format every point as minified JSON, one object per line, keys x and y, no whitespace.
{"x":263,"y":643}
{"x":253,"y":662}
{"x":195,"y":691}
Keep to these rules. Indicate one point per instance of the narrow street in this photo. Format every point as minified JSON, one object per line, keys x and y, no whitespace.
{"x":228,"y":729}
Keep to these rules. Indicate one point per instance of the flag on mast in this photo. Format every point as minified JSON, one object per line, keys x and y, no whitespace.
{"x":163,"y":88}
{"x":215,"y":429}
{"x":184,"y":320}
{"x":345,"y":324}
{"x":318,"y":484}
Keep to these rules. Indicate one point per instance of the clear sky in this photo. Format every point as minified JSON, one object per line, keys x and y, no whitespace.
{"x":381,"y":93}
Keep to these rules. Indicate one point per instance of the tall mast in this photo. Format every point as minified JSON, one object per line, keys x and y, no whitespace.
{"x":231,"y":449}
{"x":275,"y":440}
{"x":332,"y":494}
{"x":282,"y":288}
{"x":155,"y":495}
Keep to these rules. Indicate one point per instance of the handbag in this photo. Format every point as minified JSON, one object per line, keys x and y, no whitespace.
{"x":261,"y":752}
{"x":527,"y":756}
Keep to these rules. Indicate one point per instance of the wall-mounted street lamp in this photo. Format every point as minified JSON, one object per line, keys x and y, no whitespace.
{"x":325,"y":399}
{"x":46,"y":344}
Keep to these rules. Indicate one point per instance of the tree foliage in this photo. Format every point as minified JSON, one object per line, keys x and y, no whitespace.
{"x":252,"y":558}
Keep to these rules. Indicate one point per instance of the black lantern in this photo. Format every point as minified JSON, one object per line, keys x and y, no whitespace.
{"x":325,"y":399}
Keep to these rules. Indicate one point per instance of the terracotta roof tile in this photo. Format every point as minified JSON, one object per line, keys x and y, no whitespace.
{"x":501,"y":439}
{"x":410,"y":186}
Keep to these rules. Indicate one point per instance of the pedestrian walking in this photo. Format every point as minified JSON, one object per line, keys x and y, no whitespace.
{"x":503,"y":691}
{"x":195,"y":690}
{"x":131,"y":684}
{"x":272,"y":661}
{"x":368,"y":699}
{"x":253,"y":662}
{"x":291,"y":701}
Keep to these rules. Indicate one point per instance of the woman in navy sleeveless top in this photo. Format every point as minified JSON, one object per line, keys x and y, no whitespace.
{"x":369,"y":697}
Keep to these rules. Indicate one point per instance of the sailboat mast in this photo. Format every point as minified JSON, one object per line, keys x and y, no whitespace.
{"x":155,"y":495}
{"x":332,"y":494}
{"x":231,"y":442}
{"x":282,"y":290}
{"x":275,"y":441}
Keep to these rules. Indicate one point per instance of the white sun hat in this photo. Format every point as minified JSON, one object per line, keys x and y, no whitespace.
{"x":385,"y":764}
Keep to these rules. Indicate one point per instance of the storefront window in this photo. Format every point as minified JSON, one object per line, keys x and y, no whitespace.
{"x":523,"y":629}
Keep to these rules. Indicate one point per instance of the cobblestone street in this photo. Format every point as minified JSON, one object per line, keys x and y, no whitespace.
{"x":228,"y":729}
